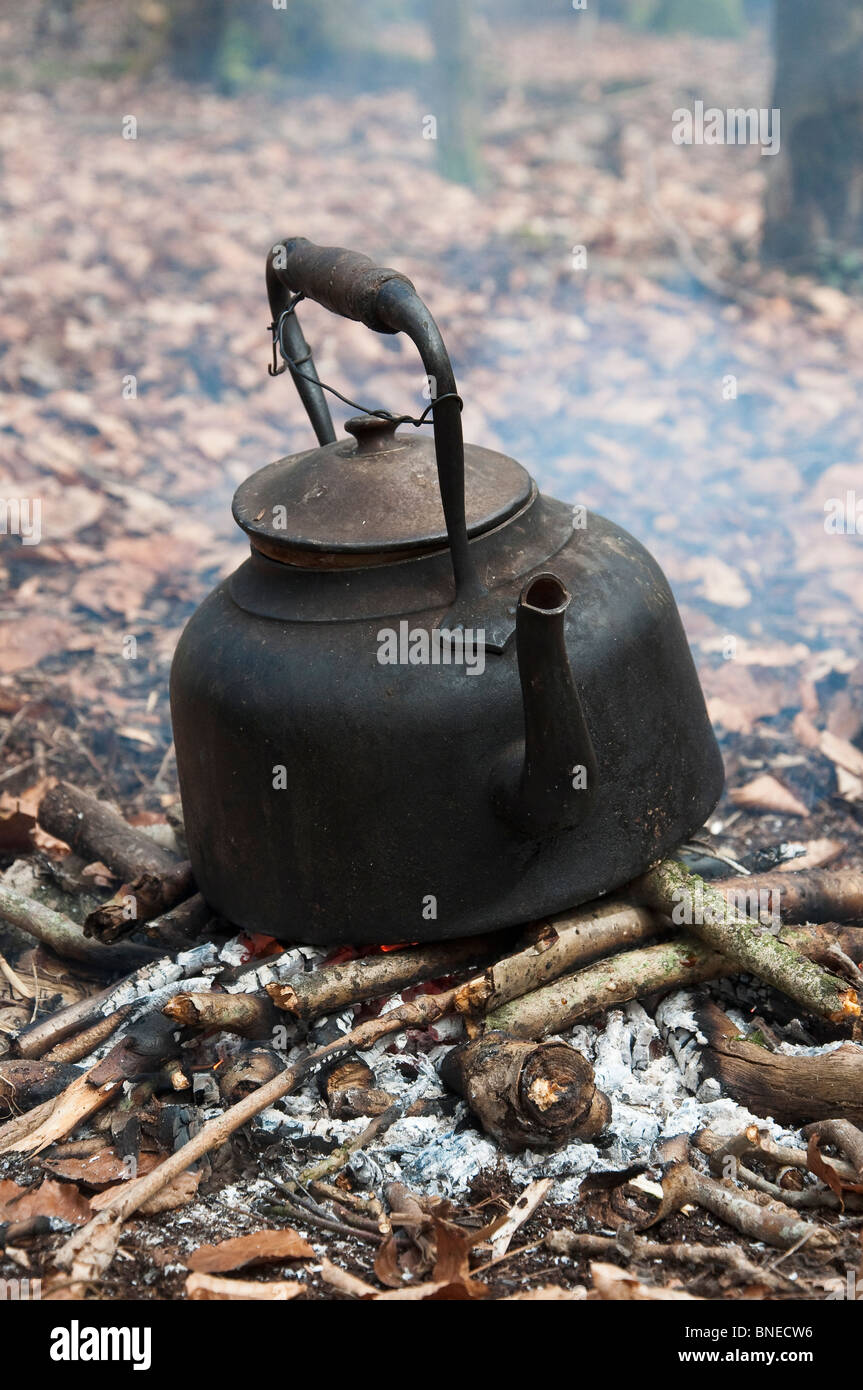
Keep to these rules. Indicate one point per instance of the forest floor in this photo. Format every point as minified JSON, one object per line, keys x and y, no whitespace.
{"x":722,"y":429}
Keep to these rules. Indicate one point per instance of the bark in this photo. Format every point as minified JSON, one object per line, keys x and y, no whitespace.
{"x":97,"y":832}
{"x":844,"y":1136}
{"x":147,"y":896}
{"x":527,"y":1095}
{"x":812,"y":895}
{"x":247,"y":1015}
{"x":248,"y":1072}
{"x":671,"y":889}
{"x":64,"y":937}
{"x":85,"y":1042}
{"x":39,"y":1038}
{"x":335,"y":987}
{"x":178,"y":929}
{"x":674,"y":964}
{"x":794,"y":1090}
{"x":575,"y":938}
{"x":815,"y":184}
{"x":767,"y":1222}
{"x":756,"y":1143}
{"x":25,"y":1083}
{"x":636,"y":1249}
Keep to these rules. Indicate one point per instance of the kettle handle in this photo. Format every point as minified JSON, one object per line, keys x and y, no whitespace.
{"x":350,"y":284}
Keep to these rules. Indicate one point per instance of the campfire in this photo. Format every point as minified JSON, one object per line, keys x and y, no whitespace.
{"x":606,"y":1056}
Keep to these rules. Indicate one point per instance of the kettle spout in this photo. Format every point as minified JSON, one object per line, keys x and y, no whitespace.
{"x":550,"y":784}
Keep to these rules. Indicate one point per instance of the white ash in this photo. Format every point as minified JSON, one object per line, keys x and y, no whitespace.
{"x":153,"y":978}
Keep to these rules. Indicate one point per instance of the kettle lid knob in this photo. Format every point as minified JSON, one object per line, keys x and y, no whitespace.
{"x":374,"y":434}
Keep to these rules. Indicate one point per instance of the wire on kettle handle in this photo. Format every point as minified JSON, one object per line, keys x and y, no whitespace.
{"x":350,"y":284}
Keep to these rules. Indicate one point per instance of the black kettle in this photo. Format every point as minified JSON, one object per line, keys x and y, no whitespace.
{"x":432,"y":701}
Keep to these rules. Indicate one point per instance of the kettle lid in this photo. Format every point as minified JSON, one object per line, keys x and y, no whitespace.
{"x":371,"y":499}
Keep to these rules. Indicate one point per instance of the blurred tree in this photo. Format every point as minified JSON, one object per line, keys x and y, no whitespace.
{"x":457,"y":90}
{"x":714,"y":18}
{"x":814,"y":201}
{"x":225,"y":41}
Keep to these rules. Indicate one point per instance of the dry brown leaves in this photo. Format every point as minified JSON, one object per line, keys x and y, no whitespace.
{"x":260,"y":1246}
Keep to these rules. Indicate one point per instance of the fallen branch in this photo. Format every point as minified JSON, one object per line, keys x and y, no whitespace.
{"x":636,"y":1249}
{"x":97,"y":832}
{"x":672,"y":889}
{"x":376,"y":1126}
{"x":248,"y":1072}
{"x":335,"y":987}
{"x":606,"y":984}
{"x":725,"y":1154}
{"x":794,"y":1090}
{"x":572,"y":939}
{"x":91,"y":1249}
{"x":768,"y":1222}
{"x":149,"y":895}
{"x":527,"y":1095}
{"x":810,"y":895}
{"x":64,"y":937}
{"x":844,"y":1136}
{"x":85,"y":1042}
{"x":247,"y":1015}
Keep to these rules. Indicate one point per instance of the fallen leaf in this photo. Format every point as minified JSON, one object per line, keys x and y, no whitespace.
{"x":346,"y":1283}
{"x":25,"y":641}
{"x":283,"y":1244}
{"x":766,"y":793}
{"x":207,"y":1286}
{"x":611,"y":1282}
{"x":60,"y":1199}
{"x":99,"y":1170}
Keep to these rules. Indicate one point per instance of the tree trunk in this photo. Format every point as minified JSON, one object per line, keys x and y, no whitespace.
{"x":814,"y":196}
{"x":457,"y":115}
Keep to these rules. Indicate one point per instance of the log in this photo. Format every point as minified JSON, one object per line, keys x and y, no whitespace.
{"x":39,"y":1038}
{"x":247,"y":1015}
{"x":177,"y":929}
{"x":25,"y":1083}
{"x":573,"y":938}
{"x":811,"y":895}
{"x":148,"y":895}
{"x":606,"y":984}
{"x":85,"y":1042}
{"x":527,"y":1095}
{"x":97,"y":832}
{"x":335,"y":987}
{"x":672,"y":889}
{"x":64,"y":937}
{"x":794,"y":1090}
{"x":248,"y":1072}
